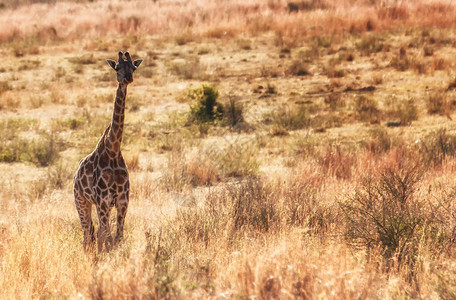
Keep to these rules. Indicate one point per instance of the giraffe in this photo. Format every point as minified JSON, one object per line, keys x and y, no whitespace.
{"x":102,"y":177}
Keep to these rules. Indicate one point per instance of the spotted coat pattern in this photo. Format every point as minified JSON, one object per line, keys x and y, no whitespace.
{"x":102,"y":177}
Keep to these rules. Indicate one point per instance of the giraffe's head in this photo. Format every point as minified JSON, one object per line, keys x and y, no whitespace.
{"x":124,"y":68}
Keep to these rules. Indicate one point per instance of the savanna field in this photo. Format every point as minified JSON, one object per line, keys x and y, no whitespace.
{"x":277,"y":149}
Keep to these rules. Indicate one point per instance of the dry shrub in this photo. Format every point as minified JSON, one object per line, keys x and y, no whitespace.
{"x":233,"y":113}
{"x":419,"y":66}
{"x":190,"y":68}
{"x":428,"y":50}
{"x":386,"y":211}
{"x":333,"y":71}
{"x":175,"y":178}
{"x":302,"y":206}
{"x":4,"y":86}
{"x":184,"y":38}
{"x":132,"y":162}
{"x":437,"y":146}
{"x":401,"y":61}
{"x":290,"y":118}
{"x":440,"y":64}
{"x":183,"y":173}
{"x":370,"y":44}
{"x":337,"y":162}
{"x":402,"y":112}
{"x":59,"y":175}
{"x":42,"y":151}
{"x":396,"y":12}
{"x":380,"y":141}
{"x":298,"y":68}
{"x":237,"y":159}
{"x":306,"y":5}
{"x":367,"y":109}
{"x":253,"y":207}
{"x":439,"y":103}
{"x":377,"y":78}
{"x":335,"y":100}
{"x":202,"y":171}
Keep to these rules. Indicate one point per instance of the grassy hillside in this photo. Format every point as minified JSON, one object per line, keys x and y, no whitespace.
{"x":324,"y":170}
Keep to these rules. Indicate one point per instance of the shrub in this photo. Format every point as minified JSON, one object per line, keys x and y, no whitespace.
{"x":436,"y":146}
{"x":201,"y":171}
{"x":298,"y":67}
{"x":253,"y":207}
{"x":301,"y":207}
{"x":244,"y":44}
{"x":44,"y":150}
{"x":37,"y":189}
{"x":59,"y":175}
{"x":70,"y":123}
{"x":11,"y":151}
{"x":85,"y":59}
{"x":380,"y":141}
{"x":403,"y":112}
{"x":401,"y":62}
{"x":304,"y":5}
{"x":386,"y":212}
{"x":271,"y":89}
{"x":4,"y":86}
{"x":367,"y":110}
{"x":190,"y":68}
{"x":236,"y":160}
{"x":439,"y":64}
{"x":335,"y":100}
{"x":370,"y":44}
{"x":333,"y":71}
{"x":336,"y":162}
{"x":184,"y":38}
{"x":290,"y":118}
{"x":206,"y":108}
{"x":233,"y":112}
{"x":438,"y":103}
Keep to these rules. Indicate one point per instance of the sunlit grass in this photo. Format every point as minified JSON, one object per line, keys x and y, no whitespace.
{"x":324,"y":170}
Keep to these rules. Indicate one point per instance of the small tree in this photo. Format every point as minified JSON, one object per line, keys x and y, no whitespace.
{"x":206,"y":108}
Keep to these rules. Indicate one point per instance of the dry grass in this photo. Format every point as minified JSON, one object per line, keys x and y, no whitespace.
{"x":256,"y":17}
{"x":325,"y":169}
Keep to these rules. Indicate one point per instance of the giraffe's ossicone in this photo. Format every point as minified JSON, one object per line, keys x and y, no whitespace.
{"x":102,"y":177}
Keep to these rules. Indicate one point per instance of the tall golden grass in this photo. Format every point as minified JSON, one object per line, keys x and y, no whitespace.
{"x":333,"y":177}
{"x":262,"y":238}
{"x":70,"y":20}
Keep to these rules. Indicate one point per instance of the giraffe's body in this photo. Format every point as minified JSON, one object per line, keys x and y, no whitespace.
{"x":102,"y":177}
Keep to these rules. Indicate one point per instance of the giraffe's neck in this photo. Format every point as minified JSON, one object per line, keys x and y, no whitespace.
{"x":117,"y":123}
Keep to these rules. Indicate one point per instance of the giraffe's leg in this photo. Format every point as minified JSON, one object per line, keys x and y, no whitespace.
{"x":121,"y":206}
{"x":104,"y":230}
{"x":84,"y":209}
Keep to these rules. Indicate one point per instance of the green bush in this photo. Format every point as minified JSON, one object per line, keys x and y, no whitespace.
{"x":205,"y":107}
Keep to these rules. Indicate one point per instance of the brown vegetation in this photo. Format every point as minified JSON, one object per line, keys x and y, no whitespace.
{"x":277,"y":149}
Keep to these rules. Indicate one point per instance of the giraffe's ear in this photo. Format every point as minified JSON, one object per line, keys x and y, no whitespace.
{"x":111,"y":63}
{"x":137,"y":62}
